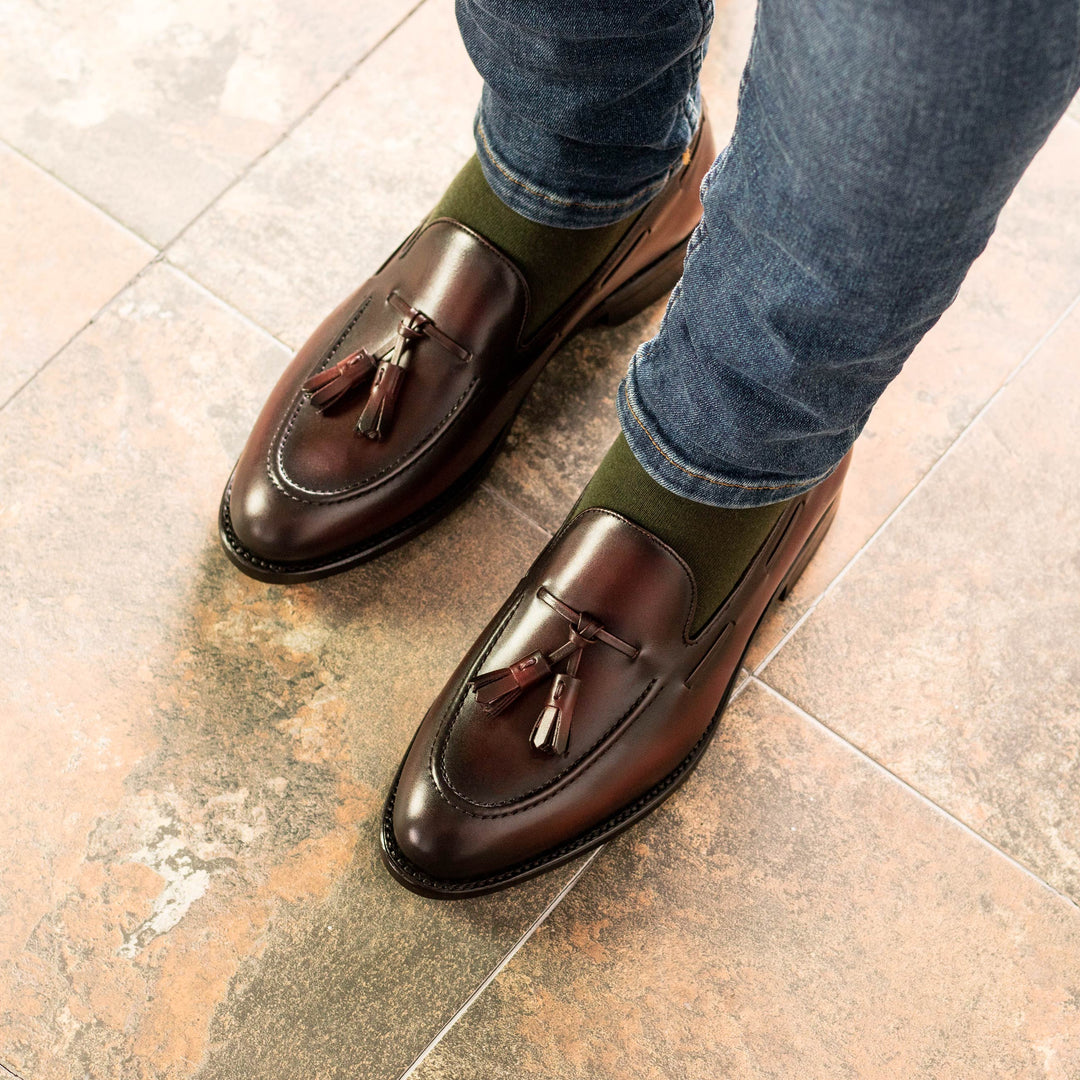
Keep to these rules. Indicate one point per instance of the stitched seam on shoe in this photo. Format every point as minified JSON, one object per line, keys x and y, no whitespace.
{"x":278,"y":438}
{"x":712,"y":480}
{"x":438,"y":746}
{"x":281,"y":437}
{"x":552,"y":783}
{"x":646,"y":192}
{"x":364,"y":486}
{"x":545,"y":858}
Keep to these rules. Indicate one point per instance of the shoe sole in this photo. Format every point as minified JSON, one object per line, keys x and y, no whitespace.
{"x":624,"y":303}
{"x":417,"y":881}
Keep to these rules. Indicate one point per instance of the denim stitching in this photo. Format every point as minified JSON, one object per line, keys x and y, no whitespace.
{"x":614,"y":204}
{"x":701,"y":476}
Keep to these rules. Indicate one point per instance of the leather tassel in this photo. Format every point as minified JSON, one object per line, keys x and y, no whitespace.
{"x":378,"y":412}
{"x":495,"y":690}
{"x":551,"y":732}
{"x":330,"y":386}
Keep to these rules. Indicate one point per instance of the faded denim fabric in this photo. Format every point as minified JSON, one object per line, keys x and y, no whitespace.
{"x":876,"y":143}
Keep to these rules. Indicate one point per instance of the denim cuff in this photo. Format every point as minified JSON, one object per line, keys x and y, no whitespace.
{"x":533,"y":200}
{"x":675,"y":468}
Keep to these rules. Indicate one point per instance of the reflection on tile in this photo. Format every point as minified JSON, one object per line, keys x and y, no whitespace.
{"x":195,"y":762}
{"x":324,"y":210}
{"x":60,"y":260}
{"x":792,"y":911}
{"x":150,"y":110}
{"x":949,"y":651}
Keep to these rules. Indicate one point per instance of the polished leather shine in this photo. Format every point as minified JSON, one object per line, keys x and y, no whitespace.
{"x":476,"y":806}
{"x":311,"y":495}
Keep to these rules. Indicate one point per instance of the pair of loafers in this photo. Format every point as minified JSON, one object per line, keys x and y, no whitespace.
{"x":585,"y":701}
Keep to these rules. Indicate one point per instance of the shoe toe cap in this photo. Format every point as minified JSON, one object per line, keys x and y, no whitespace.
{"x":266,"y":524}
{"x":435,"y":837}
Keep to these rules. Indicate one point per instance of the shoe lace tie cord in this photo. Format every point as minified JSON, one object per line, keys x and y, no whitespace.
{"x":328,"y":387}
{"x":496,"y":690}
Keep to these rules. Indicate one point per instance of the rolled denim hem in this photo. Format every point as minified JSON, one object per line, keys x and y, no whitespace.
{"x":670,"y":467}
{"x":547,"y":207}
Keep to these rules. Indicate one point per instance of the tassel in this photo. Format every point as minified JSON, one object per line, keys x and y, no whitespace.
{"x":495,"y":690}
{"x":552,"y":729}
{"x":330,"y":386}
{"x":378,"y":412}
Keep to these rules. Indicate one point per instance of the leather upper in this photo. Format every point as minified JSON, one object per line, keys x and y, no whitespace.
{"x":297,"y":484}
{"x":476,"y":798}
{"x":308,"y":485}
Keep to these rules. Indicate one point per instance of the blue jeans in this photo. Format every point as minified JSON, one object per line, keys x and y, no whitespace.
{"x":876,"y":142}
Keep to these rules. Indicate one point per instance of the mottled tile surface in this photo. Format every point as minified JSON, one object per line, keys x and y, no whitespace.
{"x":151,"y":109}
{"x":60,"y":260}
{"x":791,"y":912}
{"x":324,"y":209}
{"x":194,"y":762}
{"x":949,"y":652}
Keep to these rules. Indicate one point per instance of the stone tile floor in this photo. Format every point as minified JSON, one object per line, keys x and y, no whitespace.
{"x":874,"y":872}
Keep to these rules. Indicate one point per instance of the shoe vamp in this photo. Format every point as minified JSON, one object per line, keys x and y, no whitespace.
{"x":473,"y":297}
{"x":641,"y":593}
{"x":324,"y":453}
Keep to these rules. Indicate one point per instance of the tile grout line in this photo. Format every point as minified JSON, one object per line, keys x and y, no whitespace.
{"x":82,"y":329}
{"x":510,"y":504}
{"x":72,"y":190}
{"x":911,"y":789}
{"x":161,"y":252}
{"x":500,"y":967}
{"x":246,"y":319}
{"x":945,"y":454}
{"x":347,"y":74}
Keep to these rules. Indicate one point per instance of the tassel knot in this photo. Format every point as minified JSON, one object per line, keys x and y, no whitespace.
{"x":382,"y":400}
{"x":496,"y":690}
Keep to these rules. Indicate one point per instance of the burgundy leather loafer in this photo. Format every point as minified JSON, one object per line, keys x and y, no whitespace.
{"x":582,"y":705}
{"x":395,"y":406}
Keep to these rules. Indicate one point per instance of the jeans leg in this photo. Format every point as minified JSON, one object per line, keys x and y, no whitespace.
{"x":876,"y":143}
{"x":587,"y":104}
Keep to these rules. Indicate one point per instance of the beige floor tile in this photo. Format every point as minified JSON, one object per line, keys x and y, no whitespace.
{"x":194,"y":763}
{"x":60,"y":260}
{"x":150,"y":110}
{"x":791,"y":912}
{"x":324,"y":209}
{"x":949,"y":651}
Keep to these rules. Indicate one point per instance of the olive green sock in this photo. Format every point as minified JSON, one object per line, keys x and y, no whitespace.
{"x":717,"y":543}
{"x":555,"y":262}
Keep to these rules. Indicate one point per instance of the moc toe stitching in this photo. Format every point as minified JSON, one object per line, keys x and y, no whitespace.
{"x":359,"y":497}
{"x":451,"y":828}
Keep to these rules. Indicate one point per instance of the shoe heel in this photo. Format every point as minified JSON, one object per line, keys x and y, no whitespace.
{"x":813,"y":542}
{"x":641,"y":290}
